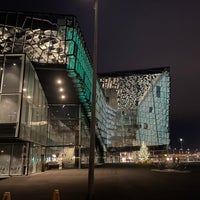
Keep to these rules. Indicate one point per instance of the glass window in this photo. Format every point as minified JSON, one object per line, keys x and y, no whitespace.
{"x":1,"y":69}
{"x":145,"y":126}
{"x":12,"y":74}
{"x":9,"y":108}
{"x":158,"y":91}
{"x":34,"y":108}
{"x":25,"y":125}
{"x":63,"y":126}
{"x":150,"y":109}
{"x":16,"y":160}
{"x":5,"y":158}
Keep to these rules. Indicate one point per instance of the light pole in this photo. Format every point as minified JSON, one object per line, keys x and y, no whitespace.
{"x":181,"y":142}
{"x":90,"y":195}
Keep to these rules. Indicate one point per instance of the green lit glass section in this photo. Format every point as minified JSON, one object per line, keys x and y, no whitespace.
{"x":80,"y":67}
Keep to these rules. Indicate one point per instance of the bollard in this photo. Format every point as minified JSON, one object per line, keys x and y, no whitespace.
{"x":56,"y":195}
{"x":6,"y":196}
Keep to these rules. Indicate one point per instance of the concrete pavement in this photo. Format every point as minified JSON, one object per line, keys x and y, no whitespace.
{"x":114,"y":183}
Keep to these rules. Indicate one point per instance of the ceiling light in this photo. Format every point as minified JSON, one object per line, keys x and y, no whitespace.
{"x":59,"y":81}
{"x":61,"y":89}
{"x":62,"y":96}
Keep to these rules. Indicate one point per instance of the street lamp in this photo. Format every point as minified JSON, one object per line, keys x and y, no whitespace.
{"x":93,"y":109}
{"x":181,"y":142}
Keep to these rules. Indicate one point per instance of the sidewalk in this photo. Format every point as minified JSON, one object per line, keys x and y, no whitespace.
{"x":3,"y":177}
{"x":171,"y":170}
{"x":109,"y":184}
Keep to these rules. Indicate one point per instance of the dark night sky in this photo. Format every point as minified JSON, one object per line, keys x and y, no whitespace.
{"x":144,"y":34}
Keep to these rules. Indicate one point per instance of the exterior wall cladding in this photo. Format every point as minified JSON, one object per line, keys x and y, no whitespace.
{"x":39,"y":131}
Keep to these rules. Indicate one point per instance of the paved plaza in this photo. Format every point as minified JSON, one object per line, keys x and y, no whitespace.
{"x":114,"y":183}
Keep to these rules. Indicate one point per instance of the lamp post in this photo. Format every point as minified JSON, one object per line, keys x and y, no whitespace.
{"x":181,"y":142}
{"x":93,"y":109}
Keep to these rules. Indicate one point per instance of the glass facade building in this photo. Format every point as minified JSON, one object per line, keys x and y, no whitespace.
{"x":140,"y":100}
{"x":45,"y":99}
{"x":23,"y":116}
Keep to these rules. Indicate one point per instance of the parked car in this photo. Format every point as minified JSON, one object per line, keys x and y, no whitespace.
{"x":52,"y":165}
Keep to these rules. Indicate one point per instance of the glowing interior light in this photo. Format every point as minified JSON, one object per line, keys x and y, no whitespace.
{"x":1,"y":68}
{"x":61,"y":89}
{"x":63,"y":97}
{"x":29,"y":97}
{"x":54,"y":155}
{"x":59,"y":81}
{"x":24,"y":89}
{"x":14,"y":64}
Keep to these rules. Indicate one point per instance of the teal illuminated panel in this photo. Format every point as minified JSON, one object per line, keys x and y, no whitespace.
{"x":72,"y":61}
{"x":79,"y":65}
{"x":70,"y":33}
{"x":71,"y":47}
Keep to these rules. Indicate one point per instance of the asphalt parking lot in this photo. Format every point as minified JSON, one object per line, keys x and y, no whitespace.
{"x":110,"y":183}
